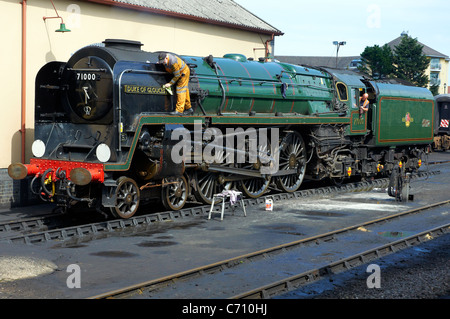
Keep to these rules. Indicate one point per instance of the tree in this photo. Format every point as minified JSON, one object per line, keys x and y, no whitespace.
{"x":434,"y":89}
{"x":377,"y":61}
{"x":410,"y":61}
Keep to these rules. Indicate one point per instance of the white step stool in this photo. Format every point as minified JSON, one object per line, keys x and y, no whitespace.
{"x":223,"y":197}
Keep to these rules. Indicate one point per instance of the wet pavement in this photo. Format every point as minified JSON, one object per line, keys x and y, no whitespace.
{"x":124,"y":259}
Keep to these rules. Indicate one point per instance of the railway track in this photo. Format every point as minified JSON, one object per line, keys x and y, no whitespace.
{"x":35,"y":230}
{"x":293,"y":282}
{"x":196,"y":276}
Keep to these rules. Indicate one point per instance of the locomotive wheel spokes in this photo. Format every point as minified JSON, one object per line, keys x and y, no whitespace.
{"x":292,"y":157}
{"x":175,"y":193}
{"x":255,"y":187}
{"x":209,"y":183}
{"x":127,"y":197}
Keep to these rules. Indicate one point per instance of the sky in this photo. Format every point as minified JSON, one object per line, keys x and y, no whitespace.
{"x":311,"y":26}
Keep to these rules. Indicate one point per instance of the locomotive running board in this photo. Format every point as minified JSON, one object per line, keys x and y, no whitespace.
{"x":247,"y":172}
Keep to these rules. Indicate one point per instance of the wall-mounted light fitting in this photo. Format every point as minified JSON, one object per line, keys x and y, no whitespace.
{"x":62,"y":25}
{"x":338,"y":44}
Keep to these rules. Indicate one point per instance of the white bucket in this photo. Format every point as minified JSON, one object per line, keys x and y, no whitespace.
{"x":269,"y":204}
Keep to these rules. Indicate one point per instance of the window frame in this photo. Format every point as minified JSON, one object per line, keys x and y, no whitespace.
{"x":339,"y":91}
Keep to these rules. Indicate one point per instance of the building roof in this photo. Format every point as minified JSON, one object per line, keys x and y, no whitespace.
{"x":219,"y":12}
{"x":318,"y":61}
{"x":344,"y":62}
{"x":426,"y":49}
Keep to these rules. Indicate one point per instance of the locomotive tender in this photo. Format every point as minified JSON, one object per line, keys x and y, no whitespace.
{"x":103,"y":132}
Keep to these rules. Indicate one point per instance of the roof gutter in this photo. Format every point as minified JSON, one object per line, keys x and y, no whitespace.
{"x":184,"y":16}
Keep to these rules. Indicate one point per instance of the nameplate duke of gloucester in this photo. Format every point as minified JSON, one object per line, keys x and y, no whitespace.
{"x":137,"y":89}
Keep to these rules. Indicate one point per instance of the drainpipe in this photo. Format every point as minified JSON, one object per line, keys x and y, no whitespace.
{"x":267,"y":46}
{"x":24,"y":76}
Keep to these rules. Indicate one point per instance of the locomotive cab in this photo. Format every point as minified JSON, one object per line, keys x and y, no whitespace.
{"x":350,"y":87}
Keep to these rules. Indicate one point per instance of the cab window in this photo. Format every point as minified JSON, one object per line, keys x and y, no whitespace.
{"x":358,"y":93}
{"x":342,"y":91}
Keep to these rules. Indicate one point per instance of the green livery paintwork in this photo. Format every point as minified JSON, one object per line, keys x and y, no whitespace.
{"x":403,"y":115}
{"x":404,"y":121}
{"x":239,"y":92}
{"x":219,"y":120}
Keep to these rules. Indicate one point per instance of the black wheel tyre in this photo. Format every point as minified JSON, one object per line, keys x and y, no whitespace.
{"x":174,"y":195}
{"x":292,"y":157}
{"x":255,"y":187}
{"x":207,"y":184}
{"x":127,"y":197}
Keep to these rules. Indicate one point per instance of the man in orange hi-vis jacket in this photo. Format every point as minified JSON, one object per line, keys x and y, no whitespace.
{"x":364,"y":103}
{"x":181,"y":73}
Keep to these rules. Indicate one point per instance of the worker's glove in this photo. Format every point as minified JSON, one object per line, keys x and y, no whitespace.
{"x":167,"y":85}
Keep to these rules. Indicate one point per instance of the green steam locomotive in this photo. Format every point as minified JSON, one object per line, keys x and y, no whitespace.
{"x":104,"y":134}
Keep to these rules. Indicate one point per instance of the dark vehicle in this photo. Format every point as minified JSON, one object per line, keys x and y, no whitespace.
{"x":104,"y":135}
{"x":441,"y":133}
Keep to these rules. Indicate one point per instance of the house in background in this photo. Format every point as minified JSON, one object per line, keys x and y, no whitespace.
{"x":439,"y":65}
{"x":346,"y":62}
{"x":437,"y":71}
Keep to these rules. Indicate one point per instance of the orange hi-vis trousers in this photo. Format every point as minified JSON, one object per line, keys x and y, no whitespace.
{"x":181,"y":74}
{"x":183,"y":97}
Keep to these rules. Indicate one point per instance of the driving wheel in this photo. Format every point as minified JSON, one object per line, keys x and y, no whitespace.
{"x":292,"y":158}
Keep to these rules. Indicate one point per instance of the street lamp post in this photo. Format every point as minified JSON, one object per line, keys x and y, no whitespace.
{"x":338,"y":45}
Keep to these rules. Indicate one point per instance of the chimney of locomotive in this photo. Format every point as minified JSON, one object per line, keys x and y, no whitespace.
{"x":123,"y":44}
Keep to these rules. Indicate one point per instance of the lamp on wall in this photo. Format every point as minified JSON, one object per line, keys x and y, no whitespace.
{"x":62,"y":25}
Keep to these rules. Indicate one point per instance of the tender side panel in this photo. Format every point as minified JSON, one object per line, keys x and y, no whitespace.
{"x":404,"y":121}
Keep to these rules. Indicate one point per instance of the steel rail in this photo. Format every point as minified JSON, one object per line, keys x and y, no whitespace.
{"x":29,"y":224}
{"x":23,"y":225}
{"x":82,"y":231}
{"x":236,"y":261}
{"x":294,"y":282}
{"x":63,"y":234}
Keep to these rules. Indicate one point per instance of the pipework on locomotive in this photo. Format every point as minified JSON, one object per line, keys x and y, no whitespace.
{"x":104,"y":135}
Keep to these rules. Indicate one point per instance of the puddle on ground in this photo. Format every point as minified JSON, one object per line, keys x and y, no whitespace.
{"x":164,"y":237}
{"x":74,"y":246}
{"x":116,"y":254}
{"x":323,"y":214}
{"x":283,"y":229}
{"x":314,"y":215}
{"x":155,"y":229}
{"x":155,"y":243}
{"x":395,"y":234}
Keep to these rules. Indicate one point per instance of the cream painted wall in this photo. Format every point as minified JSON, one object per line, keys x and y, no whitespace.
{"x":443,"y":89}
{"x":91,"y":23}
{"x":443,"y":75}
{"x":10,"y":83}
